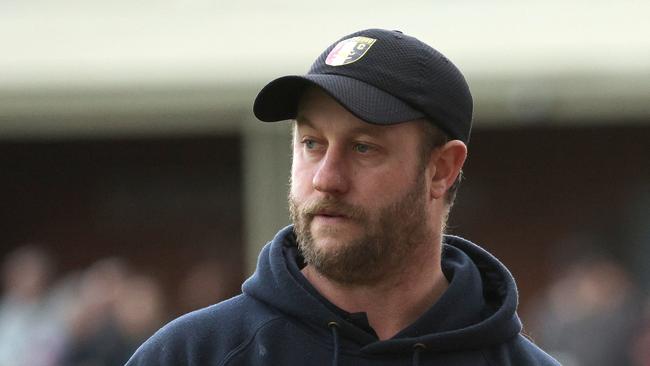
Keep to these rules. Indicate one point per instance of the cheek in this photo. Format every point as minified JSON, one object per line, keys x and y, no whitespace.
{"x":301,"y":178}
{"x":387,"y":186}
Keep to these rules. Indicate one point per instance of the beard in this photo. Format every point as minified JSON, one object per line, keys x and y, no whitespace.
{"x":389,"y":235}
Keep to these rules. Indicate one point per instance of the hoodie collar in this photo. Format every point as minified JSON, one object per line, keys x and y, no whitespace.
{"x":274,"y":284}
{"x":478,"y":307}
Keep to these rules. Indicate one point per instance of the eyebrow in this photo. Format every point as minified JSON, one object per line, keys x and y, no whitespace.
{"x":302,"y":120}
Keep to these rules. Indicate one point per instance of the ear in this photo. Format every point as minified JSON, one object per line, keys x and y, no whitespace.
{"x":445,"y":165}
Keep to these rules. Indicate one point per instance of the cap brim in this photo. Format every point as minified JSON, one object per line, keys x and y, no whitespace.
{"x":279,"y":99}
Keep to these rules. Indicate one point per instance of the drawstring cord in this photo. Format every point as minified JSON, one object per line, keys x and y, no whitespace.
{"x":417,"y":348}
{"x":334,"y":326}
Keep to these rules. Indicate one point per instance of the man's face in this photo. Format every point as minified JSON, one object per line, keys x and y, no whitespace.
{"x":358,"y":194}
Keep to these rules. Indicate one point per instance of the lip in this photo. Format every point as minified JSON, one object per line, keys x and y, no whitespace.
{"x":330,"y":214}
{"x":329,"y":217}
{"x":329,"y":220}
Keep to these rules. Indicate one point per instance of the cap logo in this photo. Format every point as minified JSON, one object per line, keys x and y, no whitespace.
{"x":349,"y":50}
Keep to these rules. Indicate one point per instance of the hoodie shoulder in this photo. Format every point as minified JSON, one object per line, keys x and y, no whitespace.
{"x":519,"y":352}
{"x":207,"y":336}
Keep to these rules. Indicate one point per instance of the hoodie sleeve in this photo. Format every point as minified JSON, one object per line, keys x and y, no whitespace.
{"x":154,"y":352}
{"x":209,"y":336}
{"x":165,"y":347}
{"x":519,"y":352}
{"x":202,"y":337}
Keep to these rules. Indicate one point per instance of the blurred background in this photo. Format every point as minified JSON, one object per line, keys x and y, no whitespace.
{"x":136,"y":185}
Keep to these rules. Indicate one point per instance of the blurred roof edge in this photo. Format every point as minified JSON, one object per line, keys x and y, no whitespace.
{"x":196,"y":61}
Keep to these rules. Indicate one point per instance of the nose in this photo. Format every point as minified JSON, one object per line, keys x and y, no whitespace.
{"x":331,"y":175}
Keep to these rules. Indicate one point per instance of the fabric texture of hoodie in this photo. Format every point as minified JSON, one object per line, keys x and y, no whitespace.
{"x":280,"y":319}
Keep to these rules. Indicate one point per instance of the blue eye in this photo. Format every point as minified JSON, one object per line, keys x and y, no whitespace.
{"x":309,"y":144}
{"x":361,"y":148}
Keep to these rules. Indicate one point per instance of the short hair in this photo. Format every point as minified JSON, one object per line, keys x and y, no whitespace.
{"x":433,"y":138}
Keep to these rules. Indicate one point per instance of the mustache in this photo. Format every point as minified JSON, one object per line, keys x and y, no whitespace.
{"x":314,"y":207}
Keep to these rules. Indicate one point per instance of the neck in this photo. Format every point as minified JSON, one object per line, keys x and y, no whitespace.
{"x":399,"y":299}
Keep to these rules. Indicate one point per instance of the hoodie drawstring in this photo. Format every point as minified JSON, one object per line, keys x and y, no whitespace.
{"x":334,"y":326}
{"x":417,"y":348}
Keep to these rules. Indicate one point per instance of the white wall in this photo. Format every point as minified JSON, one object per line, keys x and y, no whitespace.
{"x":563,"y":60}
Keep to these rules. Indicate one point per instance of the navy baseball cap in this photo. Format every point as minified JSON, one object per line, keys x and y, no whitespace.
{"x":382,"y":77}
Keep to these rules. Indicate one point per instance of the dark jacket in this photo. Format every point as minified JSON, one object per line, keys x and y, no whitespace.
{"x":280,"y":319}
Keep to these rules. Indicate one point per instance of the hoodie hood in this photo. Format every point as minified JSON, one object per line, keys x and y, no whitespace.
{"x":477,"y":310}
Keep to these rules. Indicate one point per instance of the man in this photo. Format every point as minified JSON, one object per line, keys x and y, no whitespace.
{"x":365,"y":275}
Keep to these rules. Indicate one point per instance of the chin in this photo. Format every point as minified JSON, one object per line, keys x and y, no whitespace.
{"x":330,"y":235}
{"x":326,"y":242}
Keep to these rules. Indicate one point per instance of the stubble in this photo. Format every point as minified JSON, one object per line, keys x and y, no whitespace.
{"x":387,"y":237}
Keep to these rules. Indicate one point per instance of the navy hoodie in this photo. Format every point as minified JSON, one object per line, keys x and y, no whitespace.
{"x":280,"y":319}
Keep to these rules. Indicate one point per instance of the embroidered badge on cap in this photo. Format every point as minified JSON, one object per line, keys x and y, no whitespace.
{"x":349,"y":50}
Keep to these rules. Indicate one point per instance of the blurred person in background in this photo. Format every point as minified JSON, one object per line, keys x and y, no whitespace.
{"x":94,"y":337}
{"x":96,"y":317}
{"x":365,"y":275}
{"x":206,"y":282}
{"x":591,"y":314}
{"x":31,"y":329}
{"x":139,"y":312}
{"x":641,"y":344}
